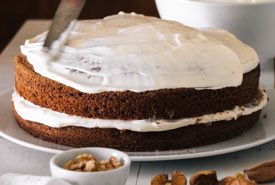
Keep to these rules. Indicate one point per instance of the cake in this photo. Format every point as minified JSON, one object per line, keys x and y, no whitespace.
{"x":138,"y":83}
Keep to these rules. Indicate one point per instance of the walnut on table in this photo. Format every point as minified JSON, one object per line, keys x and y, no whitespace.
{"x":178,"y":178}
{"x":239,"y":179}
{"x":264,"y":172}
{"x":205,"y":177}
{"x":160,"y":179}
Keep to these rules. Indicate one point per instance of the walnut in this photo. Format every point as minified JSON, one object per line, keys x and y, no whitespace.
{"x":178,"y":178}
{"x":115,"y":162}
{"x":206,"y":177}
{"x":160,"y":179}
{"x":264,"y":172}
{"x":90,"y":166}
{"x":239,"y":179}
{"x":88,"y":163}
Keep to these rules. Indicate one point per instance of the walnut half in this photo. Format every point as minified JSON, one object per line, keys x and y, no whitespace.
{"x":160,"y":179}
{"x":206,"y":177}
{"x":264,"y":172}
{"x":239,"y":179}
{"x":178,"y":178}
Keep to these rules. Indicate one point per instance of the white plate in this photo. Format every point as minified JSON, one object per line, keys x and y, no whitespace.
{"x":262,"y":132}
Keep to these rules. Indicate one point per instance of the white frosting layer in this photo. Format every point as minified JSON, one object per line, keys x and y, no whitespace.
{"x":139,"y":53}
{"x":32,"y":112}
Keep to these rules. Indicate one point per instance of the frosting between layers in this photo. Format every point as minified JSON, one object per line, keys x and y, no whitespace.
{"x":29,"y":111}
{"x":138,"y":53}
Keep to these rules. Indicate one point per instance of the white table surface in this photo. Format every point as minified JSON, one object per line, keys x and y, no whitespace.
{"x":16,"y":158}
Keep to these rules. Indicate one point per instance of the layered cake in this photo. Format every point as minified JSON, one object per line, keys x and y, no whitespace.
{"x":138,"y":83}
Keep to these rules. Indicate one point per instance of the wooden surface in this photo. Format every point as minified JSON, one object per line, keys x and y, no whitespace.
{"x":14,"y":12}
{"x":16,"y":158}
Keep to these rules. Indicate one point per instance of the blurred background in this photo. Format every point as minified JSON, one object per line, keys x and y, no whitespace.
{"x":13,"y":13}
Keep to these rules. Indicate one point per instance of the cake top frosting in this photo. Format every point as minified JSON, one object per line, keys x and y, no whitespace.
{"x":139,"y":53}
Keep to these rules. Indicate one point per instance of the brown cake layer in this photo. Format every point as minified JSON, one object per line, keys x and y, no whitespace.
{"x":160,"y":104}
{"x":185,"y":137}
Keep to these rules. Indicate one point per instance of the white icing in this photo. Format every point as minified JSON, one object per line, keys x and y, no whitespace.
{"x":139,"y":53}
{"x":29,"y":111}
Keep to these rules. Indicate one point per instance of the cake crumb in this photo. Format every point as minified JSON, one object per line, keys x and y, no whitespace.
{"x":96,"y":69}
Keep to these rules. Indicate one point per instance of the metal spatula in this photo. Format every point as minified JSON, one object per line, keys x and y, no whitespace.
{"x":68,"y":10}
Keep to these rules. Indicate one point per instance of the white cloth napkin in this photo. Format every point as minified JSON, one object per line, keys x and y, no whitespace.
{"x":20,"y":179}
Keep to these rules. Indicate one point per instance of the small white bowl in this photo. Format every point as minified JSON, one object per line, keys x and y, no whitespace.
{"x":116,"y":176}
{"x":253,"y":23}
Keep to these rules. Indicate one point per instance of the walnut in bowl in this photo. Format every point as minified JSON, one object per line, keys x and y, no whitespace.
{"x":92,"y":168}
